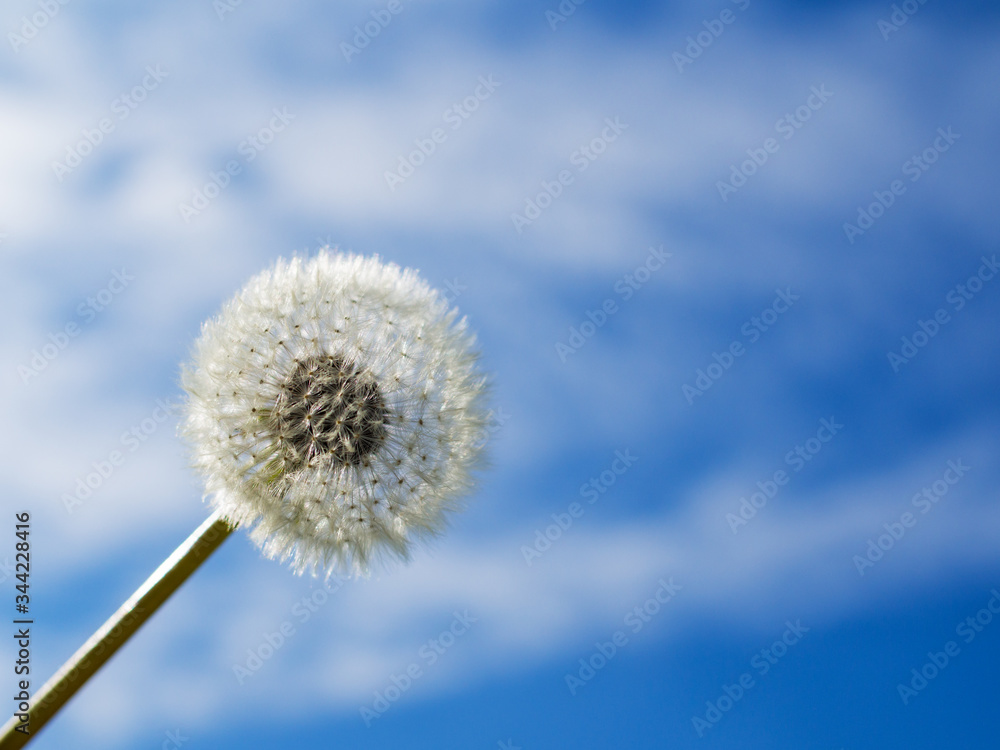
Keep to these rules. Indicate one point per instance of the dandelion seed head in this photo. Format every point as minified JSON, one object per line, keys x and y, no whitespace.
{"x":334,"y":407}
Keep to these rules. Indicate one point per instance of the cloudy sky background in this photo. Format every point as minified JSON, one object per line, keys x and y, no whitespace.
{"x":321,"y":180}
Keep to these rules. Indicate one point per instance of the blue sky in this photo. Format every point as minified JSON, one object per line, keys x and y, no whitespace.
{"x":702,"y":237}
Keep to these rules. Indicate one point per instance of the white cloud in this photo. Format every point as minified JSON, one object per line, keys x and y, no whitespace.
{"x":653,"y":186}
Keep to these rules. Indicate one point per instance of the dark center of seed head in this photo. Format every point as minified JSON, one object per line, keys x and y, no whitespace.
{"x":328,"y":405}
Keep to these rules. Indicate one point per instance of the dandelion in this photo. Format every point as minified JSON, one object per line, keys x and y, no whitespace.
{"x":334,"y":409}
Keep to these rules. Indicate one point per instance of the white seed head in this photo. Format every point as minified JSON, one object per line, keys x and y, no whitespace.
{"x":334,"y":406}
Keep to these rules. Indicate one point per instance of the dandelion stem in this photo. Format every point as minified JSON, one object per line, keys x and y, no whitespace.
{"x":102,"y":645}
